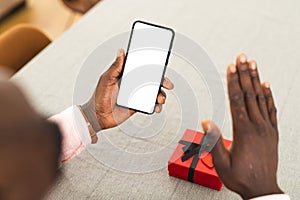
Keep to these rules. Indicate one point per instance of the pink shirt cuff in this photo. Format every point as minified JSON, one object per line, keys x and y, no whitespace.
{"x":74,"y":132}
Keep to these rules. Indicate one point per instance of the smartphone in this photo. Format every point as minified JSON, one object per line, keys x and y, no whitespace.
{"x":145,"y":64}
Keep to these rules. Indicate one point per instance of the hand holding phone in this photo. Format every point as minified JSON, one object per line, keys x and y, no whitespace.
{"x":101,"y":110}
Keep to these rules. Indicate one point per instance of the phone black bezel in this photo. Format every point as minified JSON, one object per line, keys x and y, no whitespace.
{"x":165,"y":67}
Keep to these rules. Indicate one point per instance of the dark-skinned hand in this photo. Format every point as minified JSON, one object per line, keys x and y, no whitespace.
{"x":102,"y":110}
{"x":249,"y":168}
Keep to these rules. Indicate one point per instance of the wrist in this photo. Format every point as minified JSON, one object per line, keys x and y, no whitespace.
{"x":262,"y":191}
{"x":90,"y":112}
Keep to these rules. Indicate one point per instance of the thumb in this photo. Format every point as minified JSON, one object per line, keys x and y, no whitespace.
{"x":116,"y":68}
{"x":221,"y":156}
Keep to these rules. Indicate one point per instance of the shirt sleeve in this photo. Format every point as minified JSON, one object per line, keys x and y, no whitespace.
{"x":273,"y":197}
{"x":74,"y":130}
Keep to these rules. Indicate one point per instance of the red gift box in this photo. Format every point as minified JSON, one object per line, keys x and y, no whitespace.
{"x":194,"y":169}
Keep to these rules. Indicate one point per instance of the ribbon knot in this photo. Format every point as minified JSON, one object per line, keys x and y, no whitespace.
{"x":191,"y":149}
{"x":194,"y":150}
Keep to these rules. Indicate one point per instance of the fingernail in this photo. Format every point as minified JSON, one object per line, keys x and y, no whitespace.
{"x":120,"y":52}
{"x":172,"y":86}
{"x":267,"y":84}
{"x":243,"y":58}
{"x":232,"y":68}
{"x":206,"y":125}
{"x":253,"y":65}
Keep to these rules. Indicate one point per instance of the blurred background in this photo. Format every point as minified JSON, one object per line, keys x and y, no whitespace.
{"x":51,"y":16}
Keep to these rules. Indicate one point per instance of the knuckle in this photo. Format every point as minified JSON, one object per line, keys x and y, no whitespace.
{"x":233,"y":79}
{"x":244,"y":71}
{"x":255,"y":78}
{"x":261,"y":99}
{"x":261,"y":128}
{"x":103,"y":77}
{"x":254,"y":75}
{"x":115,"y":63}
{"x":250,"y":95}
{"x":268,"y":95}
{"x":242,"y":115}
{"x":272,"y":110}
{"x":236,"y":98}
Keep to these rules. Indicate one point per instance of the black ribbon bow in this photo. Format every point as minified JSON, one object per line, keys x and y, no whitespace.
{"x":191,"y":149}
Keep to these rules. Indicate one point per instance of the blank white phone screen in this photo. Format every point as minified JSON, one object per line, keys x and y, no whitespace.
{"x":144,"y":68}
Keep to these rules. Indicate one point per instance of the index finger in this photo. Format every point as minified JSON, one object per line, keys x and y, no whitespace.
{"x":167,"y":84}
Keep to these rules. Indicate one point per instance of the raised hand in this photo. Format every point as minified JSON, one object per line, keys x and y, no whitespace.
{"x":250,"y":167}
